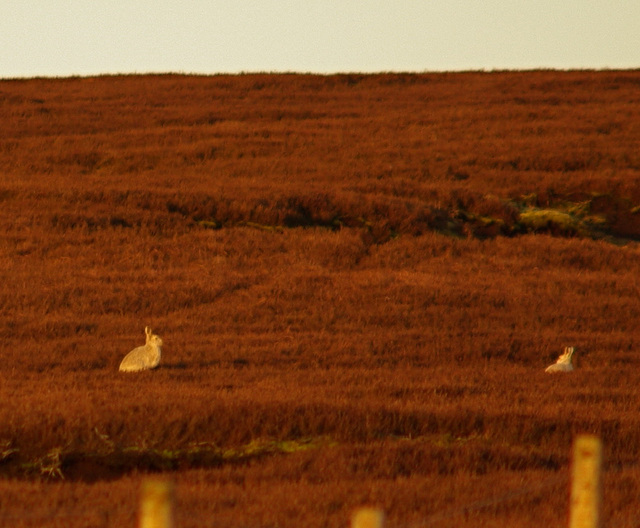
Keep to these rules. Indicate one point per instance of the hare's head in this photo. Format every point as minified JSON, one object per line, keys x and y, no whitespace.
{"x":566,"y":357}
{"x":152,"y":338}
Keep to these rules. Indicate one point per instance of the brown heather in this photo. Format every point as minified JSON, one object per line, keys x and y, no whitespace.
{"x":359,"y":280}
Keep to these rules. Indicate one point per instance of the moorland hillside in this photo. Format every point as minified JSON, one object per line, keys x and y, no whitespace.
{"x":359,"y":281}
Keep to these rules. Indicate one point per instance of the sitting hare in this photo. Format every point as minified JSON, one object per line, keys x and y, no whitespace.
{"x":144,"y":357}
{"x":563,"y":364}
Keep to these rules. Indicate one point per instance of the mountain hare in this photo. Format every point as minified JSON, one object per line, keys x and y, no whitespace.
{"x":563,"y":364}
{"x":144,"y":357}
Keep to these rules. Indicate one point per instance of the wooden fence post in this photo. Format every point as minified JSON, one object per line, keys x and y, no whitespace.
{"x":156,"y":504}
{"x":586,"y":487}
{"x":367,"y":518}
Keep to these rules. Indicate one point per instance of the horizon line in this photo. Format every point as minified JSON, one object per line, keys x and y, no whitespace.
{"x":154,"y":73}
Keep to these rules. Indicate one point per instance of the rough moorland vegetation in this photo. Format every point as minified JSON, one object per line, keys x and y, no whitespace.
{"x":359,"y":281}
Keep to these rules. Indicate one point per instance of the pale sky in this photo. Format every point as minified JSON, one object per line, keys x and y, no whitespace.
{"x":87,"y":37}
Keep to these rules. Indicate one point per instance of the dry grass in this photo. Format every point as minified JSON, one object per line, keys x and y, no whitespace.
{"x":358,"y":279}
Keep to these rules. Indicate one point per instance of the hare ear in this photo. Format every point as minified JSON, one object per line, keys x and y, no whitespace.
{"x":147,"y":331}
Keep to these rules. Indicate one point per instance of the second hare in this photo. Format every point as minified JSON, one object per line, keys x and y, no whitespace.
{"x":144,"y":357}
{"x":563,"y":363}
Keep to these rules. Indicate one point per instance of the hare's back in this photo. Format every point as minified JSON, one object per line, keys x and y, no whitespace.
{"x":559,"y":367}
{"x":141,"y":358}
